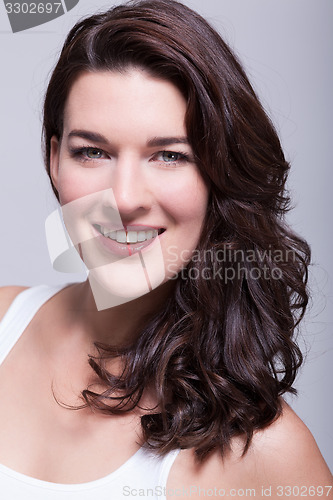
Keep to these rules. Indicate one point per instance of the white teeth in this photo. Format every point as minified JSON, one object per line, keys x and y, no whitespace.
{"x":122,"y":236}
{"x":132,"y":237}
{"x":110,"y":234}
{"x":141,"y":236}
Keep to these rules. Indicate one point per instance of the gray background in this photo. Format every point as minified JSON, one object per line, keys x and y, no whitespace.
{"x":286,"y":47}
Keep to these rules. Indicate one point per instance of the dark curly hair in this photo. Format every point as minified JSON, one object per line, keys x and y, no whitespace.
{"x":220,"y":352}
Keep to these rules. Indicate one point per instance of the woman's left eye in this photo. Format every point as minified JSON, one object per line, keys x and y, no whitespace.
{"x":171,"y":157}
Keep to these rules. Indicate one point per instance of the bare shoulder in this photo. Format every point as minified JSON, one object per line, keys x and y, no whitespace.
{"x":7,"y":295}
{"x":287,"y":452}
{"x":283,"y":454}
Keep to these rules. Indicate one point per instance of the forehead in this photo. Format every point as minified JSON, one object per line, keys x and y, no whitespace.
{"x":114,"y":100}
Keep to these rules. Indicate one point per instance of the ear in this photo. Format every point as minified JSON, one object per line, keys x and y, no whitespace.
{"x":54,"y":160}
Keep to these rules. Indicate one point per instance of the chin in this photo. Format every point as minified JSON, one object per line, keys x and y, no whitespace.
{"x":127,"y":279}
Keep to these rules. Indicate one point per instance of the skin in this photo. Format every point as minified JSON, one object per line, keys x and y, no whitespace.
{"x":134,"y":181}
{"x":128,"y":109}
{"x":284,"y":454}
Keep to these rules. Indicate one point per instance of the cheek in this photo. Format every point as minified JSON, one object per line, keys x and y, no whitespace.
{"x":76,"y":183}
{"x":187,"y":202}
{"x":79,"y":196}
{"x":69,"y":190}
{"x":187,"y":207}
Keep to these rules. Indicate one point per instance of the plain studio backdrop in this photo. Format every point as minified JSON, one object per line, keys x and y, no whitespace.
{"x":286,"y":48}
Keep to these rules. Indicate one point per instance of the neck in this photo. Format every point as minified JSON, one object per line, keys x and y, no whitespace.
{"x":118,"y":325}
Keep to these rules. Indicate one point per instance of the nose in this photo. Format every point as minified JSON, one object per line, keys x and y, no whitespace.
{"x":130,"y":187}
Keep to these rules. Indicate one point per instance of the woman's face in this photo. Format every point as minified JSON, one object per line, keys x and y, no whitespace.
{"x":131,"y":194}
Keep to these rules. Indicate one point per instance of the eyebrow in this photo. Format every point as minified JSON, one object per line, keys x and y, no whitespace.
{"x":154,"y":142}
{"x":90,"y":136}
{"x":165,"y":141}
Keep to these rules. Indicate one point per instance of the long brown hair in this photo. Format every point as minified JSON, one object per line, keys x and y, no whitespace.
{"x":221,"y":351}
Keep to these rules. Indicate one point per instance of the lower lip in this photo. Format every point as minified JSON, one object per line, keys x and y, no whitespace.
{"x":122,"y":249}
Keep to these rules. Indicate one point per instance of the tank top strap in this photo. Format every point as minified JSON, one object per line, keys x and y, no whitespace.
{"x":167,"y":463}
{"x":147,"y":470}
{"x":20,"y":313}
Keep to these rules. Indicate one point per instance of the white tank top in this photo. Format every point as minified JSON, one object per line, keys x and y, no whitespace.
{"x":144,"y":475}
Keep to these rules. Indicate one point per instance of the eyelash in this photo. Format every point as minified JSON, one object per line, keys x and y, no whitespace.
{"x":79,"y":154}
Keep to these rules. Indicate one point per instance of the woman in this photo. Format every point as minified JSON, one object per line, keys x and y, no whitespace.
{"x":171,"y":181}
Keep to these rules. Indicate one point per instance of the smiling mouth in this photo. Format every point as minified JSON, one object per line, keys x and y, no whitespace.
{"x":129,"y":236}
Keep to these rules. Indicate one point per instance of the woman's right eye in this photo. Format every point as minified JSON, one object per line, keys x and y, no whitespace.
{"x":88,"y":153}
{"x":94,"y":153}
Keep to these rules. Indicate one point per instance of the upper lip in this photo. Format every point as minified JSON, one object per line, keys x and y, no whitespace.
{"x":125,"y":227}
